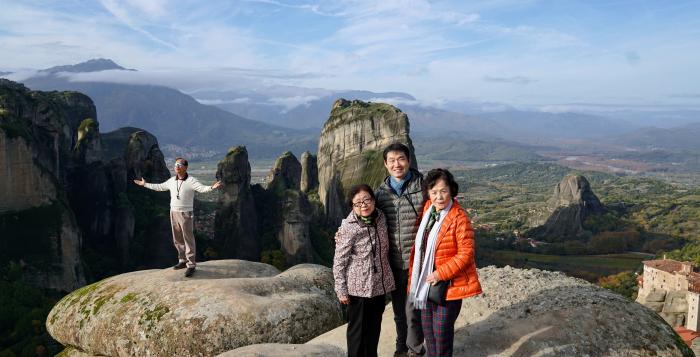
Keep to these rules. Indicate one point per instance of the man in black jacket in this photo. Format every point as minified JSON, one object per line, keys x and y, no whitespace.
{"x":401,"y":199}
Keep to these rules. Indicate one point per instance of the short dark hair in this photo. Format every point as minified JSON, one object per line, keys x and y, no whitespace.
{"x":432,"y":177}
{"x":184,"y":162}
{"x":354,"y":190}
{"x":397,"y":147}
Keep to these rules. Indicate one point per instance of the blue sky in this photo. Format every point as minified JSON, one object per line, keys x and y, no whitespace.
{"x":554,"y":54}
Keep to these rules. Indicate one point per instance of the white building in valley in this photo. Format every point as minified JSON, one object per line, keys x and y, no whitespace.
{"x":667,"y":276}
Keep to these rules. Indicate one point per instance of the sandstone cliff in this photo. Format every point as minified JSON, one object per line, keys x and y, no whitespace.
{"x":350,"y":149}
{"x":571,"y":203}
{"x":236,"y":223}
{"x":309,"y":172}
{"x":67,"y":200}
{"x":293,"y":209}
{"x":36,"y":155}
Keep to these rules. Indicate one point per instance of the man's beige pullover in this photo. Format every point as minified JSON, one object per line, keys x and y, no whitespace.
{"x":182,"y":189}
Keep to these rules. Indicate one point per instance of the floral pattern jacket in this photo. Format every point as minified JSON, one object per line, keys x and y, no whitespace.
{"x":361,"y":262}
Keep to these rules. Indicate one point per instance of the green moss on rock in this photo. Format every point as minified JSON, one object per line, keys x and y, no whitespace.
{"x":128,"y":297}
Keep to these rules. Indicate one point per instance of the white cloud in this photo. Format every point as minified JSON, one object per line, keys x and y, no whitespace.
{"x":289,"y":103}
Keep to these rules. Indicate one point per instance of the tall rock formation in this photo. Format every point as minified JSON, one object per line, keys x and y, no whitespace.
{"x":66,"y":200}
{"x":350,"y":149}
{"x":286,"y":212}
{"x":236,"y":222}
{"x":309,"y":172}
{"x":141,"y":227}
{"x":572,"y":202}
{"x":285,"y":174}
{"x":37,"y":226}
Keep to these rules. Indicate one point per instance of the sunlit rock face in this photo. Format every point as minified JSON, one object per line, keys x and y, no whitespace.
{"x":350,"y":149}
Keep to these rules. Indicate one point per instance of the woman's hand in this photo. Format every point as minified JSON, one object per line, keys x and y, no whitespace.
{"x":432,"y":278}
{"x":344,"y":300}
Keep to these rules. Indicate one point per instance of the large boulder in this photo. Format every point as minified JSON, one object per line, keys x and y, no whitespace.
{"x":350,"y":149}
{"x":236,"y":223}
{"x":571,"y":203}
{"x":537,"y":313}
{"x":227,"y":304}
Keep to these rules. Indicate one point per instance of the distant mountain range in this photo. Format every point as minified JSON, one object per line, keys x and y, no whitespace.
{"x":172,"y":116}
{"x":276,"y":118}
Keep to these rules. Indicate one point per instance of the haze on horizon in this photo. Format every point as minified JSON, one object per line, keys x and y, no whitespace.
{"x":549,"y":54}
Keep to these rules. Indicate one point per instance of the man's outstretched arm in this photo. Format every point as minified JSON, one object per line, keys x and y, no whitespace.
{"x":153,"y":186}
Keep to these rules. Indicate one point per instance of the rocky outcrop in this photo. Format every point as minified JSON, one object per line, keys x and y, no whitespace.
{"x":572,"y":202}
{"x":31,"y":185}
{"x":309,"y":172}
{"x":135,"y":219}
{"x":73,"y":184}
{"x":236,"y":222}
{"x":286,"y":350}
{"x":285,"y":173}
{"x":227,"y":304}
{"x":350,"y":149}
{"x":533,"y":313}
{"x":286,"y":211}
{"x":39,"y":229}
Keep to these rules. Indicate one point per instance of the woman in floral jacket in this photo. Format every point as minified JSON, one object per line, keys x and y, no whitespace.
{"x":361,"y":270}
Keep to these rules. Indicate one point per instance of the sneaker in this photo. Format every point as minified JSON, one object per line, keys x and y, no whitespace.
{"x":181,"y":265}
{"x":189,"y":272}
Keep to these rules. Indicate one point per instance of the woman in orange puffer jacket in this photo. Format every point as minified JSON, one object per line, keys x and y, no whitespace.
{"x":444,"y":251}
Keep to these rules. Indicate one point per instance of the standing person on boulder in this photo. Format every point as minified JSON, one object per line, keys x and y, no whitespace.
{"x":182,"y":187}
{"x":401,"y":198}
{"x":361,"y":271}
{"x":442,"y":259}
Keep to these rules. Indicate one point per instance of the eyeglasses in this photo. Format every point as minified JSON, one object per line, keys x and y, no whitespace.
{"x":365,"y":202}
{"x":177,"y":164}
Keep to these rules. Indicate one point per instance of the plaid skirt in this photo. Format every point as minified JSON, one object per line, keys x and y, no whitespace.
{"x":438,"y":324}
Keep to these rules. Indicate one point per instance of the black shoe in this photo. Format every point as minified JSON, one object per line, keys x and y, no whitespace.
{"x":181,"y":265}
{"x":189,"y":272}
{"x":400,"y":353}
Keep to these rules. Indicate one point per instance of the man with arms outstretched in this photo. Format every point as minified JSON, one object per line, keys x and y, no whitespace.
{"x":182,"y":188}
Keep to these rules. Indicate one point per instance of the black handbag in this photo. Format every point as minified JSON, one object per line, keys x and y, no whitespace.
{"x":437,"y":293}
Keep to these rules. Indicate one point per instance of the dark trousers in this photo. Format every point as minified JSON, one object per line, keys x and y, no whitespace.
{"x":409,"y":334}
{"x":364,"y":325}
{"x":439,"y":327}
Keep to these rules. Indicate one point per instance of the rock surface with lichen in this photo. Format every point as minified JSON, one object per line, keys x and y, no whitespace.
{"x":227,"y":304}
{"x":350,"y":149}
{"x":528,"y":312}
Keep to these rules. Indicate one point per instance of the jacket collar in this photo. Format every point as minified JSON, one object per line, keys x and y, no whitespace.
{"x":410,"y":186}
{"x":451,"y":215}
